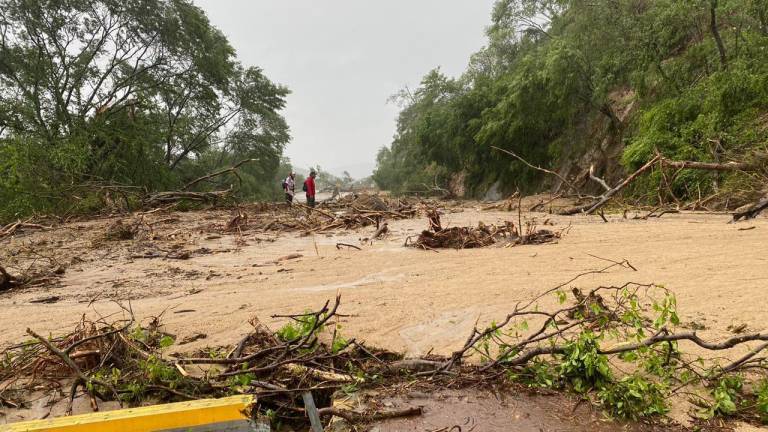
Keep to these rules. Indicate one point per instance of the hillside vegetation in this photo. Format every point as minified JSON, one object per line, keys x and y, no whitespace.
{"x":566,"y":84}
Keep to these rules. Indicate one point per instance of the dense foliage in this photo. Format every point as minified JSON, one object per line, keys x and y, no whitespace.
{"x":143,"y":93}
{"x":561,"y":77}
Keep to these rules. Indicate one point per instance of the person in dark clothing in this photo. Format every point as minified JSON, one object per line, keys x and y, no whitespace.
{"x":309,"y":188}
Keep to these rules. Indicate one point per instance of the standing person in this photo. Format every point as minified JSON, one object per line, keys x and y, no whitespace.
{"x":289,"y":186}
{"x":309,"y":188}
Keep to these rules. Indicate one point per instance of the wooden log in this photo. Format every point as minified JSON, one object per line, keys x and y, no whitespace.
{"x":751,"y":211}
{"x":711,"y":166}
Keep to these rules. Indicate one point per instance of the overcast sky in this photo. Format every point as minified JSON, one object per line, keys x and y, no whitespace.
{"x":342,"y":59}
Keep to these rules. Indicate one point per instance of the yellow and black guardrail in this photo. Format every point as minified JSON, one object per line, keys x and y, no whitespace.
{"x":189,"y":416}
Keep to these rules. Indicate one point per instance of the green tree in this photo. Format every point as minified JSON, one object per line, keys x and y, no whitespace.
{"x":139,"y":92}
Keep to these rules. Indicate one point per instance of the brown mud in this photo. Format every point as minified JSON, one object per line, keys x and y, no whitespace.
{"x":207,"y":283}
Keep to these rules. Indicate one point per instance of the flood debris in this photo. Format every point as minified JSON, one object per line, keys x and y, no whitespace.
{"x":121,"y":231}
{"x":566,"y":346}
{"x":484,"y":235}
{"x":13,"y":228}
{"x":127,"y":361}
{"x":33,"y":277}
{"x":347,"y":213}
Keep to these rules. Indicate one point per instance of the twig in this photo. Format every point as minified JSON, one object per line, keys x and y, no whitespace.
{"x":340,"y":245}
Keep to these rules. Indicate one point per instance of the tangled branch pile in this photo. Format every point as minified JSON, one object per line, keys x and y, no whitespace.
{"x":437,"y":237}
{"x":616,"y":345}
{"x":127,"y":362}
{"x":350,"y":212}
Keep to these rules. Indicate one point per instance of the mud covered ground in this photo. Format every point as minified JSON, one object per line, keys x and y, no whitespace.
{"x":207,"y":282}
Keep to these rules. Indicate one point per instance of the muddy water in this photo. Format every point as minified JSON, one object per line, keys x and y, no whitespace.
{"x":464,"y":411}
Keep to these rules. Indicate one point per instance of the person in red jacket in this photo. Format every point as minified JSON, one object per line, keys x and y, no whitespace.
{"x":309,"y":188}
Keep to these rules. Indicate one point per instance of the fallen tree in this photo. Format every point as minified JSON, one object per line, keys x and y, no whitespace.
{"x":610,"y":193}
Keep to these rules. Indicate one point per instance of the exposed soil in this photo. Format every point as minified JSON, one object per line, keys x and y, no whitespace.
{"x":208,"y":282}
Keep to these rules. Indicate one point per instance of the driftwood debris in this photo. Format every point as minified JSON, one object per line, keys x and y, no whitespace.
{"x":484,"y":235}
{"x":346,"y":213}
{"x":593,"y":205}
{"x":161,"y":198}
{"x":383,"y":229}
{"x":30,"y":278}
{"x":12,"y":228}
{"x":751,"y":211}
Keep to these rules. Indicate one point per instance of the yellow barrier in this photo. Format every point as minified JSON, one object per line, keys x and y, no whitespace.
{"x":145,"y":419}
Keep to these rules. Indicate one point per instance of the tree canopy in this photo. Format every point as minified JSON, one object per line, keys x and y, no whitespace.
{"x":144,"y":93}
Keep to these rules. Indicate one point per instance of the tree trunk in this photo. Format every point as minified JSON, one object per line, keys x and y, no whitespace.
{"x":716,"y":34}
{"x":711,"y":166}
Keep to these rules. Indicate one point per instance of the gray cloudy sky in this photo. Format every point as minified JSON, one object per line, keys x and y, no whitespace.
{"x":342,"y":59}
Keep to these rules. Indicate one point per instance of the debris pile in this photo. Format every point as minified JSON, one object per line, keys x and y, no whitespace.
{"x":350,"y":212}
{"x":437,"y":237}
{"x":308,"y":359}
{"x":120,"y":231}
{"x":127,"y":362}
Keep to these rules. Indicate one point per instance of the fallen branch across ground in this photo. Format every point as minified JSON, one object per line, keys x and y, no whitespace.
{"x":592,"y":206}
